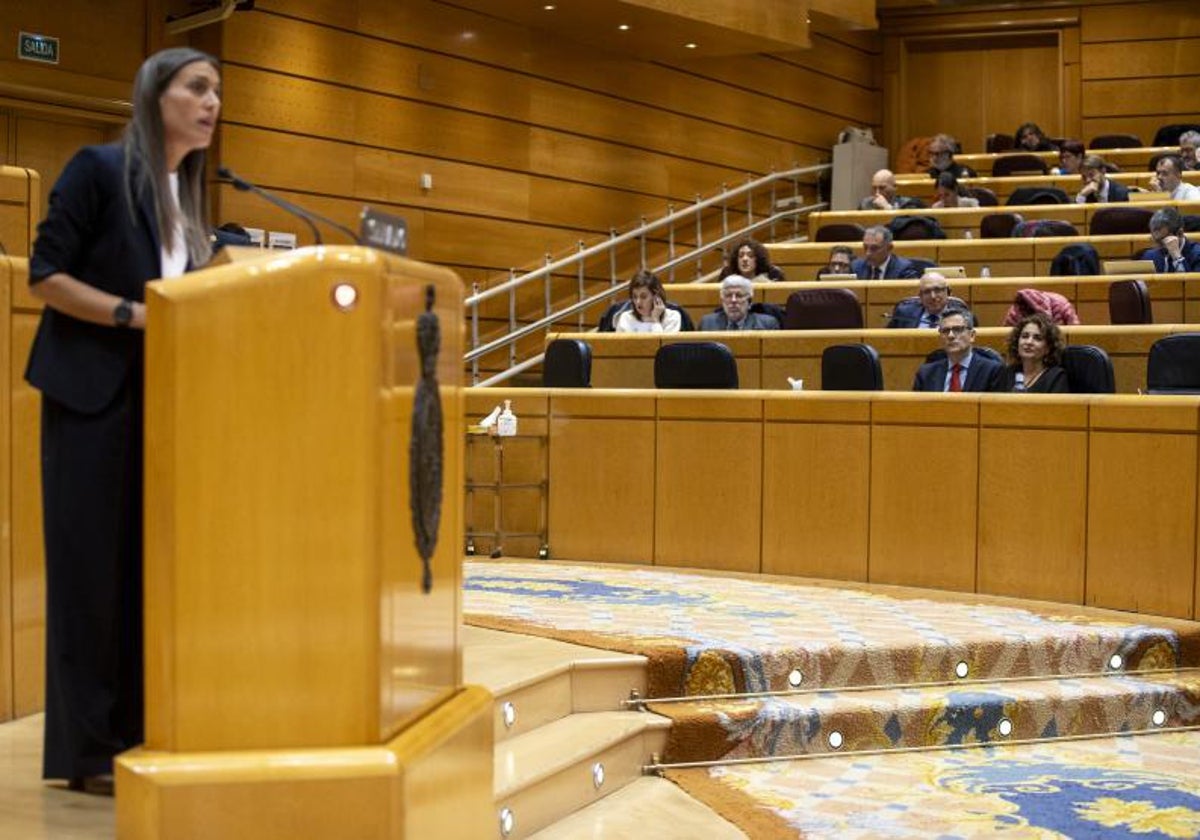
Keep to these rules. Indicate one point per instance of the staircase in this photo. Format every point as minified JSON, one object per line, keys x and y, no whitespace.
{"x":568,"y":753}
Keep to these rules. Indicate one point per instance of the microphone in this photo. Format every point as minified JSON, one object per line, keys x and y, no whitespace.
{"x":296,"y":210}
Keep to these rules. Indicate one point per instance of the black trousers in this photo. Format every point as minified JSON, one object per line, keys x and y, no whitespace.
{"x":92,"y":508}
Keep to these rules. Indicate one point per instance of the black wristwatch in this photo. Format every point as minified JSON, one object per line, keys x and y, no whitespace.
{"x":123,"y":314}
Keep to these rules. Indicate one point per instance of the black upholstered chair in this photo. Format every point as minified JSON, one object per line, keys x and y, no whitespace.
{"x":997,"y":143}
{"x":1038,"y":195}
{"x":985,"y":196}
{"x":1168,"y":135}
{"x":1173,"y":366}
{"x":1045,"y":227}
{"x":695,"y":364}
{"x":567,"y":364}
{"x":1129,"y":302}
{"x":1115,"y":141}
{"x":1120,"y":219}
{"x":1089,"y":370}
{"x":1021,"y":163}
{"x":999,"y":225}
{"x":840,"y":232}
{"x":823,"y":309}
{"x":851,"y":367}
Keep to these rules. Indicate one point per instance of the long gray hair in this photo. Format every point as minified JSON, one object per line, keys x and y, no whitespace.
{"x":145,"y":156}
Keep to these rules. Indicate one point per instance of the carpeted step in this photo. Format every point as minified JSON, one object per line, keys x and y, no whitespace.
{"x":1134,"y":786}
{"x":939,"y":715}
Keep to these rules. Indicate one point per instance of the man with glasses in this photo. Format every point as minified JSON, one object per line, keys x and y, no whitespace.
{"x":941,"y":158}
{"x":737,"y":293}
{"x":841,"y":257}
{"x":878,"y":262}
{"x":1188,"y":141}
{"x":883,"y":194}
{"x":1168,"y":177}
{"x":1097,"y":186}
{"x":925,"y":311}
{"x":1174,"y":252}
{"x":962,"y":368}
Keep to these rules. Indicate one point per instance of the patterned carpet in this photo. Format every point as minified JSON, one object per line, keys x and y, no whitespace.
{"x":877,"y":677}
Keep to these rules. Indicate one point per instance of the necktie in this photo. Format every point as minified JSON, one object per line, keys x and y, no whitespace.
{"x":956,"y":378}
{"x":875,"y":275}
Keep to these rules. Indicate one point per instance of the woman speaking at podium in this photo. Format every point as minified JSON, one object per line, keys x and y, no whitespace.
{"x":118,"y":216}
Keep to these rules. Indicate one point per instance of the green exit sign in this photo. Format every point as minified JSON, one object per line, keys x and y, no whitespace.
{"x":38,"y":48}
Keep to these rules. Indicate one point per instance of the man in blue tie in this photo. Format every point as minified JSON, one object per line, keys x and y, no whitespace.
{"x":924,"y":311}
{"x":1175,"y":252}
{"x":962,"y":368}
{"x":878,"y":262}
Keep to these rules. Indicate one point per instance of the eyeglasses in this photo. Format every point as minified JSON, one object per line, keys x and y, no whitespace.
{"x":734,"y":296}
{"x":939,"y":153}
{"x":935,"y":290}
{"x":953,"y":331}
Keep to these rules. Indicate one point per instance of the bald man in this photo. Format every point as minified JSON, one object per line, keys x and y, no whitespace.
{"x":883,"y":194}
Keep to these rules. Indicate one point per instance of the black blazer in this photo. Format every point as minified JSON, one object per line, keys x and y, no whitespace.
{"x":984,"y":374}
{"x":1116,"y":192}
{"x":1052,"y":381}
{"x":90,"y":234}
{"x":1162,"y":263}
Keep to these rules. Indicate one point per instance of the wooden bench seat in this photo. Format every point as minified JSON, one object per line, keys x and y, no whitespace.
{"x":1129,"y":160}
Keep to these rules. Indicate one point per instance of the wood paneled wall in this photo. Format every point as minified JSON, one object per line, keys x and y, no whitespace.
{"x":1122,"y":67}
{"x":533,"y":144}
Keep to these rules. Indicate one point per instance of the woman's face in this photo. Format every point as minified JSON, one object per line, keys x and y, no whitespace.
{"x":1030,"y":139}
{"x":190,"y":106}
{"x":1068,"y":163}
{"x":948,"y":197}
{"x":643,"y":301}
{"x":746,"y":261}
{"x":1031,"y":343}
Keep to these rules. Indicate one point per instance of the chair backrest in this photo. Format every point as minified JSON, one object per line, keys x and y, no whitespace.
{"x":1082,"y":260}
{"x":997,"y":143}
{"x":1006,"y":165}
{"x":985,"y":196}
{"x":1045,"y":227}
{"x":568,"y":364}
{"x":695,"y":364}
{"x":916,"y":227}
{"x":1169,"y":135}
{"x":1089,"y":370}
{"x":1115,"y":141}
{"x":1038,"y":195}
{"x":1173,"y":366}
{"x":840,"y":232}
{"x":608,"y":321}
{"x":1120,"y":219}
{"x":1129,"y":303}
{"x":823,"y":309}
{"x":851,"y":367}
{"x":999,"y":225}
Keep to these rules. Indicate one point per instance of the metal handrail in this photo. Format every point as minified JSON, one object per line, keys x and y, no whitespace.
{"x":639,"y":234}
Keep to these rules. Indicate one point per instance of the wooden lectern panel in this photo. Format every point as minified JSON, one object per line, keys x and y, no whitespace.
{"x":283,"y":587}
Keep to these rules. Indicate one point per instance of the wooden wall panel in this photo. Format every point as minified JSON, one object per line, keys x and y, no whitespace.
{"x":7,"y":278}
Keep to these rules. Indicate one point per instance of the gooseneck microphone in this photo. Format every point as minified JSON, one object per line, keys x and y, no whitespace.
{"x":308,"y":216}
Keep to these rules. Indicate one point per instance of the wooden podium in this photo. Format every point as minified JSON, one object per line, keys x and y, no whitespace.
{"x":299,"y":680}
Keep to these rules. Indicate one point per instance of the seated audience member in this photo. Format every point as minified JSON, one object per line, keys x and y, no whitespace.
{"x":961,"y":369}
{"x":749,"y":259}
{"x":941,"y":156}
{"x":1029,"y":138}
{"x":883,"y":194}
{"x":1188,"y":141}
{"x":737,"y":293}
{"x":1070,"y":158}
{"x":840,"y":259}
{"x":878,"y":261}
{"x":1168,"y":177}
{"x":1097,"y":186}
{"x":648,"y":310}
{"x":1054,"y":306}
{"x":1035,"y":348}
{"x":933,"y":294}
{"x":950,"y":194}
{"x":1175,"y":252}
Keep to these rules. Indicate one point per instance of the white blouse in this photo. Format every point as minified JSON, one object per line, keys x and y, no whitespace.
{"x":174,"y":262}
{"x":628,"y":321}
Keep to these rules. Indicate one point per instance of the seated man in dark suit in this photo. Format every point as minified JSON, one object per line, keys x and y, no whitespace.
{"x":1175,"y":252}
{"x":737,"y":293}
{"x":883,"y":194}
{"x":878,"y":262}
{"x":933,"y":294}
{"x":1097,"y":186}
{"x":961,"y":369}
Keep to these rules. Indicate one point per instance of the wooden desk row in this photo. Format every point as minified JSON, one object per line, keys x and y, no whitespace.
{"x":1175,"y":297}
{"x":1070,"y":499}
{"x":1023,"y":257}
{"x":766,"y":359}
{"x":958,"y":222}
{"x":1128,"y":159}
{"x":922,"y":186}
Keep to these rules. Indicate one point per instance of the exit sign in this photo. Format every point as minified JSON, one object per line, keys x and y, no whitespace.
{"x":42,"y":48}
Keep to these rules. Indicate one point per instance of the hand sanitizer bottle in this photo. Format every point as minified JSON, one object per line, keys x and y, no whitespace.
{"x":985,"y":272}
{"x":506,"y":423}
